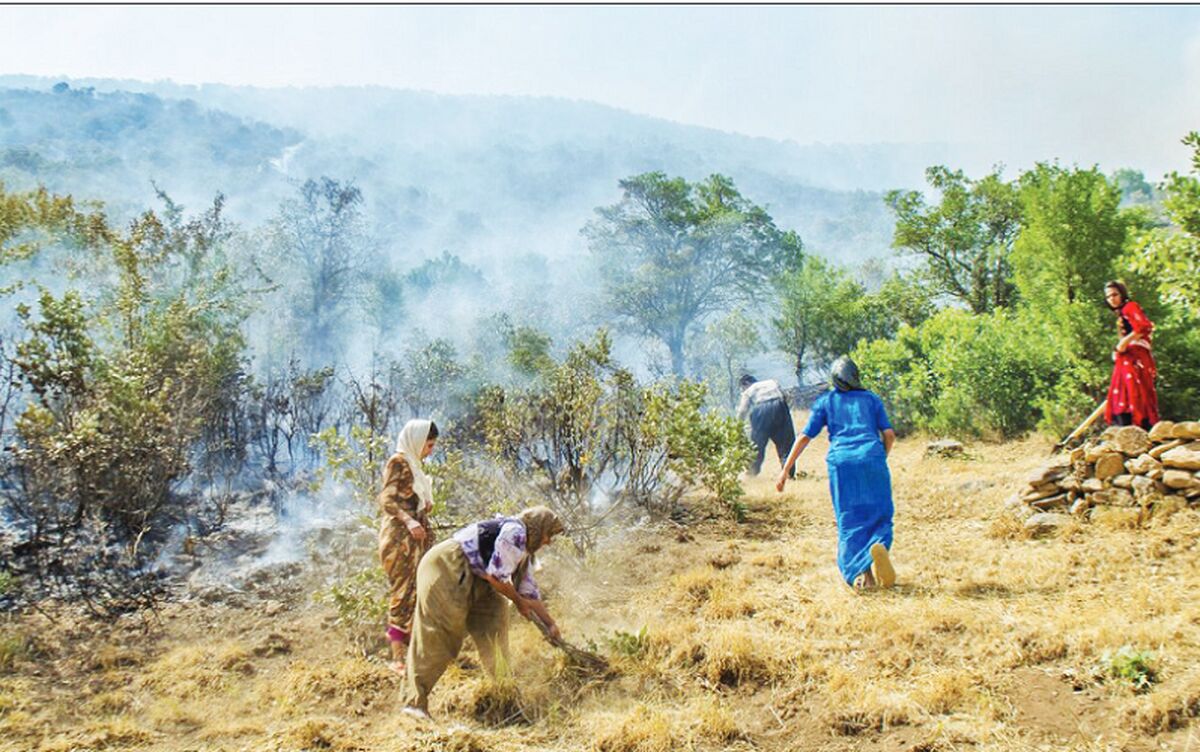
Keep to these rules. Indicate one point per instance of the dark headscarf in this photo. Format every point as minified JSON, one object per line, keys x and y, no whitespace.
{"x":844,"y":375}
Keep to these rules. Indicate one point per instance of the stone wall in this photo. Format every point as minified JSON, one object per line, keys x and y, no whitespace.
{"x":1126,"y":467}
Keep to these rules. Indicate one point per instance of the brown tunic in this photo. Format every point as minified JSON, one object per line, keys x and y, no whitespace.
{"x":398,"y":550}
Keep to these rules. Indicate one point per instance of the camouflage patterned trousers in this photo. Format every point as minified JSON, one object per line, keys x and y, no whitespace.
{"x":400,"y":554}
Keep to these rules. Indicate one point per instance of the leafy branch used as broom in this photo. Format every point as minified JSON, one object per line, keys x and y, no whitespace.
{"x":578,"y":657}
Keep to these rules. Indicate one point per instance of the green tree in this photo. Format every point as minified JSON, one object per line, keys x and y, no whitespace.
{"x":427,"y":382}
{"x":672,"y":253}
{"x":727,"y":343}
{"x":1073,"y":234}
{"x":821,"y":314}
{"x":1172,"y":254}
{"x":321,"y":239}
{"x":966,"y":239}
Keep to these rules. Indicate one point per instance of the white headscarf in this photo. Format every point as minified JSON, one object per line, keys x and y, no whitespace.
{"x":410,"y":444}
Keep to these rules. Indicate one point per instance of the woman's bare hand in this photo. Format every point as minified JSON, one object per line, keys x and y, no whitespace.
{"x":416,"y":530}
{"x":783,"y":478}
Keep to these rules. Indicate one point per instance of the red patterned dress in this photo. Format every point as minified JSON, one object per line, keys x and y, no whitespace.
{"x":1131,"y":396}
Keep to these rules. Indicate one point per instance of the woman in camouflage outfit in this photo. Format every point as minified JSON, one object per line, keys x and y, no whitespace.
{"x":404,"y":534}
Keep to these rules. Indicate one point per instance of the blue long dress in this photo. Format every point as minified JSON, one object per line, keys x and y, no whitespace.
{"x":859,"y":480}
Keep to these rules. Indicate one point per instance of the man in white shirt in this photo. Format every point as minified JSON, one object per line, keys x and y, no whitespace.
{"x":770,"y":419}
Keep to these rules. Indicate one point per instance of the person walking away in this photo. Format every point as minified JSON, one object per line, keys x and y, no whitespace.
{"x":770,"y":418}
{"x":1132,"y":398}
{"x":404,"y":535}
{"x":860,"y":439}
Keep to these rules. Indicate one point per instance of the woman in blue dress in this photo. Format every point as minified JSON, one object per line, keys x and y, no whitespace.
{"x":860,"y":438}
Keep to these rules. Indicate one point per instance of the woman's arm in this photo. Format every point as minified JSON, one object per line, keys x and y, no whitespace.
{"x":797,"y":448}
{"x":889,"y":438}
{"x":398,"y":486}
{"x":1139,"y":324}
{"x":524,"y":605}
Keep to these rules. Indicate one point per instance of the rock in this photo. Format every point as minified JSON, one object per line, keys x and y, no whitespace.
{"x":1110,"y":465}
{"x":1069,"y":484}
{"x":1144,"y":487}
{"x":1158,"y":451}
{"x":1081,"y":506}
{"x":1093,"y":452}
{"x":1078,"y":454}
{"x":1016,"y":505}
{"x":1161,"y":431}
{"x":1082,"y":470}
{"x":1142,"y":465}
{"x":1113,"y":497}
{"x":944,"y":448}
{"x":1123,"y":481}
{"x":1131,"y":441}
{"x":1050,"y":502}
{"x":1186,"y":457}
{"x":1091,"y":485}
{"x":1048,"y":473}
{"x":1109,"y":432}
{"x":1156,"y":473}
{"x":1044,"y":523}
{"x":1189,"y":430}
{"x":1180,"y":480}
{"x":1040,"y":492}
{"x":1192,"y":493}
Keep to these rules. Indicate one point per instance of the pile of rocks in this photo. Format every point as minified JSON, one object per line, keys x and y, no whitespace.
{"x":1125,"y":467}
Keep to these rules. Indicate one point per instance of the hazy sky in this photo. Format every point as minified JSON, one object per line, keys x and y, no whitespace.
{"x":1114,"y":85}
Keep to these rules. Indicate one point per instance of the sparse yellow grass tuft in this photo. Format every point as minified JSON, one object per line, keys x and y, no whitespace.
{"x":320,"y":734}
{"x":344,"y":679}
{"x":734,"y":654}
{"x":189,"y":671}
{"x":644,"y":729}
{"x":1005,"y":526}
{"x":1168,"y":708}
{"x":945,"y":692}
{"x":1117,"y":518}
{"x":173,"y":715}
{"x":110,"y":703}
{"x":107,"y":657}
{"x":221,"y":728}
{"x":691,"y":589}
{"x":728,"y":599}
{"x":714,"y":722}
{"x":114,"y":733}
{"x":454,"y":740}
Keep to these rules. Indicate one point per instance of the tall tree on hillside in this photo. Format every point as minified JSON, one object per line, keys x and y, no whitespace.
{"x":672,"y":253}
{"x":1073,"y":234}
{"x":320,"y":235}
{"x":965,"y":239}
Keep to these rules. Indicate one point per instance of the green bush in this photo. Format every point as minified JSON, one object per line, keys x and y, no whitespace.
{"x":1134,"y":666}
{"x":360,"y":602}
{"x":960,"y":373}
{"x":705,"y":448}
{"x":628,"y":643}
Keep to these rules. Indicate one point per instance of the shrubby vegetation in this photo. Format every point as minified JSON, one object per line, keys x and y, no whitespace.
{"x":1037,"y":356}
{"x":157,"y":368}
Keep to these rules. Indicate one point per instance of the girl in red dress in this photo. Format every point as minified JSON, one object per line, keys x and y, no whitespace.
{"x":1132,"y":400}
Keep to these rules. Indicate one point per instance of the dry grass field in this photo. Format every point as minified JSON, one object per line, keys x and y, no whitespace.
{"x":722,"y":636}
